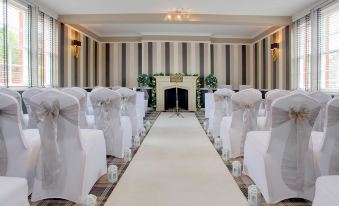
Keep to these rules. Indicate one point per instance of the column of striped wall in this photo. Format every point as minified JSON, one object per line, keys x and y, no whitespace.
{"x":176,"y":57}
{"x":231,"y":64}
{"x":81,"y":71}
{"x":270,"y":74}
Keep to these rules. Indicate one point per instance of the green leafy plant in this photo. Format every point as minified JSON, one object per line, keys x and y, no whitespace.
{"x":143,"y":80}
{"x":211,"y":81}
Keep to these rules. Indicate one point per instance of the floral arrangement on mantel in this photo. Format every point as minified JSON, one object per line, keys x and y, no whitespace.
{"x":211,"y":81}
{"x":153,"y":84}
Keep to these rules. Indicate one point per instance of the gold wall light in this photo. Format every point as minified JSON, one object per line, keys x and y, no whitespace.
{"x":76,"y":44}
{"x":275,"y":51}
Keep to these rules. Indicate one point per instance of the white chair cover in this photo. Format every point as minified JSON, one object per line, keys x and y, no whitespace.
{"x":13,"y":191}
{"x":222,"y":108}
{"x":27,"y":95}
{"x":233,"y":130}
{"x":19,"y":148}
{"x":243,"y":87}
{"x":322,"y":98}
{"x":128,"y":108}
{"x":81,"y":97}
{"x":141,"y":107}
{"x":17,"y":96}
{"x":225,"y":86}
{"x":279,"y":161}
{"x":326,"y":191}
{"x":299,"y":91}
{"x":209,"y":103}
{"x":107,"y":113}
{"x":271,"y":92}
{"x":269,"y":100}
{"x":116,"y":87}
{"x":64,"y":145}
{"x":326,"y":144}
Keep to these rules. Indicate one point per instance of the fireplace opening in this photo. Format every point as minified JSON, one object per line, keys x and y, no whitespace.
{"x":170,"y":99}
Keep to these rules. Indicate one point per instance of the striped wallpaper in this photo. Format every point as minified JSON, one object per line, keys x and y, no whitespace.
{"x":120,"y":63}
{"x":269,"y":74}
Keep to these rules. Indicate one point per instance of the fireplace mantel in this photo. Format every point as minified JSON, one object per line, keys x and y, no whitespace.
{"x":163,"y":83}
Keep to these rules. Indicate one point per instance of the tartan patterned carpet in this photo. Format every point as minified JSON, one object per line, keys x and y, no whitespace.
{"x":102,"y":188}
{"x":244,"y":181}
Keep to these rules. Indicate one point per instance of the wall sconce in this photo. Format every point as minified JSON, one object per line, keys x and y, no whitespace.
{"x":275,"y":51}
{"x":76,"y":45}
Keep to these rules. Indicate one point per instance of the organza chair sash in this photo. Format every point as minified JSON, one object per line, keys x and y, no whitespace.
{"x":249,"y":113}
{"x":268,"y":122}
{"x":108,"y":119}
{"x":222,"y":104}
{"x":8,"y":113}
{"x":297,"y":146}
{"x":333,"y":120}
{"x":319,"y":122}
{"x":128,"y":105}
{"x":47,"y":118}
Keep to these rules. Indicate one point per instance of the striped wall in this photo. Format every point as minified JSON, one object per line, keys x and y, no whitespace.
{"x":269,"y":74}
{"x":120,"y":63}
{"x":84,"y":70}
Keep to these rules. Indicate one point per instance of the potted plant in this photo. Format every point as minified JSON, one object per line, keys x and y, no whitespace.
{"x":143,"y":81}
{"x":211,"y":81}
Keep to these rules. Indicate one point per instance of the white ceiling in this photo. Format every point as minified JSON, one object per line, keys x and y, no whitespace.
{"x":227,"y":7}
{"x":230,"y":31}
{"x":221,"y":7}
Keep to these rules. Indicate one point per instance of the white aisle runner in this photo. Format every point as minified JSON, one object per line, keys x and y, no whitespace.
{"x":176,"y":166}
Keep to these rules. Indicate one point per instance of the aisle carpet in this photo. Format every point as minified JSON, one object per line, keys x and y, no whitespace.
{"x":176,"y":166}
{"x":244,"y":181}
{"x":102,"y":188}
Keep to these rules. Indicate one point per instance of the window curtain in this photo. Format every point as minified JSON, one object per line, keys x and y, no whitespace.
{"x":303,"y":52}
{"x":28,"y":39}
{"x":328,"y":47}
{"x":15,"y":45}
{"x":46,"y":49}
{"x":317,"y":48}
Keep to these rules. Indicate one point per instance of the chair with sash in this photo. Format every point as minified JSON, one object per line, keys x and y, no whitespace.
{"x":233,"y":129}
{"x":323,"y":98}
{"x":279,"y":161}
{"x":26,"y":96}
{"x":117,"y":128}
{"x":71,"y":159}
{"x":129,"y":108}
{"x":243,"y":87}
{"x":19,"y":148}
{"x":85,"y":123}
{"x":23,"y":117}
{"x":266,"y":124}
{"x":325,"y":145}
{"x":222,"y":108}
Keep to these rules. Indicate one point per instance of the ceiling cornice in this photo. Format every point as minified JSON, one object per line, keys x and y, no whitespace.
{"x":169,"y":37}
{"x":160,"y":19}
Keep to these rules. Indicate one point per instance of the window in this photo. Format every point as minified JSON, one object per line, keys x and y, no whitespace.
{"x":46,"y":48}
{"x":328,"y":46}
{"x":303,"y":52}
{"x":15,"y":44}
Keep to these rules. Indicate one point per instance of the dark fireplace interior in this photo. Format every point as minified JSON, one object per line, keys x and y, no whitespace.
{"x":170,"y":99}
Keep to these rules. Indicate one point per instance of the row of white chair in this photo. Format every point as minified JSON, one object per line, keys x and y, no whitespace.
{"x":270,"y":154}
{"x":60,"y":160}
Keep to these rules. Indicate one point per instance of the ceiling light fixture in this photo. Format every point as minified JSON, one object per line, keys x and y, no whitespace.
{"x":178,"y":15}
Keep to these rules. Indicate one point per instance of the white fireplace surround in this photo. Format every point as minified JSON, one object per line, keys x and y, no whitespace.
{"x":163,"y":83}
